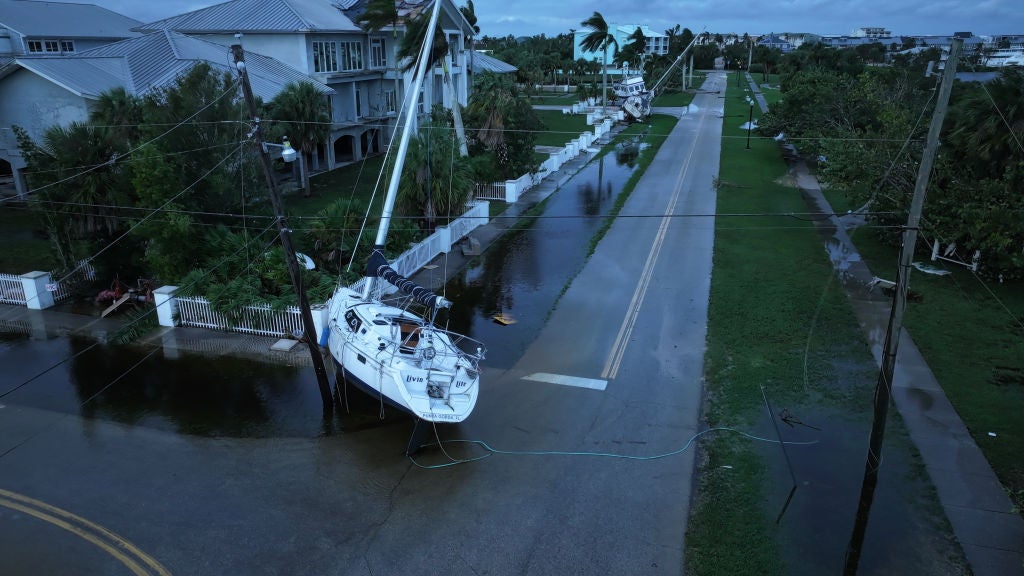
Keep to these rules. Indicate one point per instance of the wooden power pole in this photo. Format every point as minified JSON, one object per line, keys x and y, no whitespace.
{"x":286,"y":236}
{"x":883,"y":387}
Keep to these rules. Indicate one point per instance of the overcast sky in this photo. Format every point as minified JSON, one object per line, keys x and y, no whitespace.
{"x":552,"y":17}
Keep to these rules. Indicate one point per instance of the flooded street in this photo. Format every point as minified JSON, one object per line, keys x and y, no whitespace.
{"x":523,"y":274}
{"x":191,"y":394}
{"x":196,"y":394}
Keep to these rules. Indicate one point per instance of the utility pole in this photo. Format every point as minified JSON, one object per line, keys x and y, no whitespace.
{"x":286,"y":236}
{"x":883,"y":387}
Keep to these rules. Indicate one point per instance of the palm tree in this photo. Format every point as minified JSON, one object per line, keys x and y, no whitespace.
{"x":436,"y":181}
{"x":415,"y":32}
{"x":302,"y":113}
{"x":118,"y":111}
{"x":599,"y":38}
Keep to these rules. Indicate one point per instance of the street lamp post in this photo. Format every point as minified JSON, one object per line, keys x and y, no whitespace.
{"x":284,"y":232}
{"x":289,"y":154}
{"x":750,"y":120}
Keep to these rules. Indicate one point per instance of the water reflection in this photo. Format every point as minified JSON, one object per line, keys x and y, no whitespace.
{"x":204,"y":394}
{"x":191,"y":394}
{"x":523,"y":273}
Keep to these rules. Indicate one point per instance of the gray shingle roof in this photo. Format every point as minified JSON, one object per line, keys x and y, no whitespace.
{"x":260,"y":16}
{"x":154,"y":61}
{"x":487,"y":63}
{"x":64,"y":20}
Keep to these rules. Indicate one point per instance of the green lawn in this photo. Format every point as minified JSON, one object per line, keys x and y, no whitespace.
{"x":778,"y":319}
{"x":25,"y":247}
{"x":971,"y":331}
{"x":561,"y":128}
{"x":677,"y":99}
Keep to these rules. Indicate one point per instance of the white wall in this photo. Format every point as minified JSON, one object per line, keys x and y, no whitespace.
{"x":35,"y":104}
{"x":292,"y":49}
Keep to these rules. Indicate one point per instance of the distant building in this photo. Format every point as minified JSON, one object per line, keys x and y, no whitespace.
{"x":775,"y":41}
{"x":879,"y":34}
{"x":58,"y":28}
{"x":657,"y":43}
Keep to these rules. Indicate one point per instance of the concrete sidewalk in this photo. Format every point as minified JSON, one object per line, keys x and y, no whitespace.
{"x":990,"y":531}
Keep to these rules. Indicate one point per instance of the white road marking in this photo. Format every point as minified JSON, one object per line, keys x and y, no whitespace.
{"x":567,"y":380}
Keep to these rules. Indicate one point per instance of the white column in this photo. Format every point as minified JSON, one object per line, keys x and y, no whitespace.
{"x":37,"y":297}
{"x":166,"y":305}
{"x":444,"y":236}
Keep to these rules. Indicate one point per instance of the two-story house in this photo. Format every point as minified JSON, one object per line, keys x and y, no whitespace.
{"x":322,"y":38}
{"x":48,"y":29}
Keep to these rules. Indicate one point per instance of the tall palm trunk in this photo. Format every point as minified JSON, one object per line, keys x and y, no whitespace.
{"x":604,"y":83}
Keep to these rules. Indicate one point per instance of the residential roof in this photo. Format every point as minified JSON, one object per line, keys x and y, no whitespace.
{"x":274,"y":16}
{"x":64,"y":20}
{"x":486,"y":63}
{"x":155,"y":61}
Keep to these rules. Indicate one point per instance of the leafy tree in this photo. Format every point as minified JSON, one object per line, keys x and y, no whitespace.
{"x":869,"y":127}
{"x":208,"y":171}
{"x":80,"y":186}
{"x":300,"y":112}
{"x":704,"y":56}
{"x":599,"y":38}
{"x":635,"y":50}
{"x":504,"y":129}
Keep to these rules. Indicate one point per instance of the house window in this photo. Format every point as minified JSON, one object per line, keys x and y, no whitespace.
{"x":378,"y":55}
{"x":359,"y":103}
{"x":325,"y":57}
{"x":67,"y":45}
{"x":390,"y":101}
{"x":35,"y":46}
{"x":420,"y":105}
{"x":51,"y":46}
{"x":351,"y":56}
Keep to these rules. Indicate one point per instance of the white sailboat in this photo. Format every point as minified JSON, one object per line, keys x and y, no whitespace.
{"x":387,"y":350}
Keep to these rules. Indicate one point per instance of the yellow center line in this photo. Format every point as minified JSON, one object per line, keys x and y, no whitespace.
{"x":108,"y":541}
{"x":614,"y":361}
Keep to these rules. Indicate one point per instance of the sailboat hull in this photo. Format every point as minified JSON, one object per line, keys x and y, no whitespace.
{"x":393,"y":355}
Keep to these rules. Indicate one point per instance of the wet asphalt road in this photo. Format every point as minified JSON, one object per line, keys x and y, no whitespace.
{"x":85,"y":496}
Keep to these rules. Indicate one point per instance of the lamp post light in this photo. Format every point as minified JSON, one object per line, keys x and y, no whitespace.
{"x":750,"y":120}
{"x":289,"y":155}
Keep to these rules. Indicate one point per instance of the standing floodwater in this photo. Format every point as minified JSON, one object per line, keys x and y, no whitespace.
{"x":522,"y":275}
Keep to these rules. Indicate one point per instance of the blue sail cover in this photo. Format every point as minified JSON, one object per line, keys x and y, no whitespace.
{"x":378,"y":267}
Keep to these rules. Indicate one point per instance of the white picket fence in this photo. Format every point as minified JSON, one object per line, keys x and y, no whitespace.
{"x":263,"y":321}
{"x":259,"y":320}
{"x":11,"y":290}
{"x":12,"y":286}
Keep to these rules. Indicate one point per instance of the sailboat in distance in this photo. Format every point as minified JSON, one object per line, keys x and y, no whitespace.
{"x":387,"y":350}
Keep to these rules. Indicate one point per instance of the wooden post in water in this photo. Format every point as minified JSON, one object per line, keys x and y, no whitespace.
{"x":286,"y":236}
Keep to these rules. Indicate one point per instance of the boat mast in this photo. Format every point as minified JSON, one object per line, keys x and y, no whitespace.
{"x":403,"y":145}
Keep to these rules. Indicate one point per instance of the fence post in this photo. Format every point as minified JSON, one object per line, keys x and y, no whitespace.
{"x":511,"y":191}
{"x":444,"y":236}
{"x":37,"y":297}
{"x":166,"y":305}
